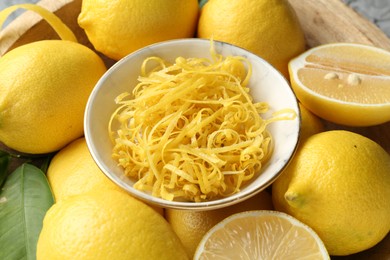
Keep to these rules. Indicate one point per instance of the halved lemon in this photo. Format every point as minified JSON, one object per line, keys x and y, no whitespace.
{"x":261,"y":234}
{"x":345,"y":83}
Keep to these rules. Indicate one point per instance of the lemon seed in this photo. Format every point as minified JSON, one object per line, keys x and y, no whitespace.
{"x":354,"y":79}
{"x":331,"y":75}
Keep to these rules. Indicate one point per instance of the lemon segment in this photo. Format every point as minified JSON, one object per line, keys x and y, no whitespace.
{"x":344,"y":83}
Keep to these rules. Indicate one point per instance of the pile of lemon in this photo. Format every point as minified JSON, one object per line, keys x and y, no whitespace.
{"x":335,"y":191}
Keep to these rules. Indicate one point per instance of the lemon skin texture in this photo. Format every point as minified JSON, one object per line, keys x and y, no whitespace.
{"x":268,"y":28}
{"x":310,"y":123}
{"x":106,"y":225}
{"x":117,"y":28}
{"x":338,"y":183}
{"x":44,"y":88}
{"x":72,"y":171}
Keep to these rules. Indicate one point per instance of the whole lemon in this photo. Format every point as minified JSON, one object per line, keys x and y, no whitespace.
{"x":44,"y":88}
{"x":120,"y":27}
{"x":268,"y":28}
{"x":310,"y":123}
{"x":191,"y":226}
{"x":106,"y":225}
{"x":73,"y":171}
{"x":338,"y":183}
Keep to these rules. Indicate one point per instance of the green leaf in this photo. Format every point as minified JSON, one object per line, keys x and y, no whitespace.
{"x":202,"y":3}
{"x":24,"y":200}
{"x":4,"y":162}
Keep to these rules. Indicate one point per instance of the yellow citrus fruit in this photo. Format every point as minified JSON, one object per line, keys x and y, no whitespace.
{"x":344,"y":83}
{"x":44,"y":88}
{"x":338,"y":183}
{"x":310,"y":123}
{"x":261,"y":234}
{"x":121,"y":27}
{"x":73,"y":171}
{"x":268,"y":28}
{"x":106,"y":225}
{"x":191,"y":226}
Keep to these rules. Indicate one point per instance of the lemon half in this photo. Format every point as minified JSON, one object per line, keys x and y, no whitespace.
{"x":345,"y":83}
{"x":261,"y":234}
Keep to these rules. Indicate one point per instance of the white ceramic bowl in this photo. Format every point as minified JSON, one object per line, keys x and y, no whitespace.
{"x":266,"y":84}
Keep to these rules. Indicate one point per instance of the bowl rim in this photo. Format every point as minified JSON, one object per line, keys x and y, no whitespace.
{"x":148,"y":198}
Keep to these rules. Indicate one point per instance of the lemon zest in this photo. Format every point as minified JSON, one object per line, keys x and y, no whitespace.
{"x":190,"y":130}
{"x":59,"y":27}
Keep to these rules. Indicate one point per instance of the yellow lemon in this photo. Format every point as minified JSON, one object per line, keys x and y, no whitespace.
{"x":191,"y":226}
{"x":73,"y":171}
{"x":310,"y":123}
{"x":261,"y":234}
{"x":338,"y":183}
{"x":106,"y":225}
{"x":268,"y":28}
{"x":121,"y":27}
{"x":344,"y":83}
{"x":44,"y":88}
